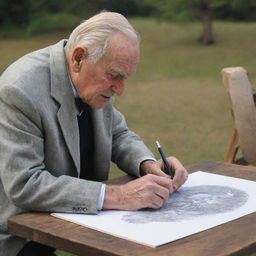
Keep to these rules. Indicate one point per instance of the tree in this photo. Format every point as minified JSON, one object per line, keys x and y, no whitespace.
{"x":203,"y":10}
{"x":13,"y":12}
{"x":23,"y":12}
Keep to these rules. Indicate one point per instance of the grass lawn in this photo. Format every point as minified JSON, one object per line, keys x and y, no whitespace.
{"x":177,"y":96}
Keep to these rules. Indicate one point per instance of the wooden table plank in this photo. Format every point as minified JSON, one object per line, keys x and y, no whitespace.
{"x":237,"y":237}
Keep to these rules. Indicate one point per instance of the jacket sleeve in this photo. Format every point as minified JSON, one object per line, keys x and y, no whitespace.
{"x":27,"y":182}
{"x":128,"y":150}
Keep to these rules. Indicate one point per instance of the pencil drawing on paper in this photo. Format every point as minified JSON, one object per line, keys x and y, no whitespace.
{"x":191,"y":202}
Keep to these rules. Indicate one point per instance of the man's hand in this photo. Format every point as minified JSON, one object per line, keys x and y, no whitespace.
{"x":157,"y":168}
{"x":151,"y":190}
{"x":148,"y":191}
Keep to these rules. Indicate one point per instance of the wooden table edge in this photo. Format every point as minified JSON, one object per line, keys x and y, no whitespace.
{"x":40,"y":236}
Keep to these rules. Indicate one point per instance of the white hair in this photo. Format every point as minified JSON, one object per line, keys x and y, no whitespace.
{"x":96,"y":32}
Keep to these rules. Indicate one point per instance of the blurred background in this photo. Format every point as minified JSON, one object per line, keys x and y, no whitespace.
{"x":177,"y":96}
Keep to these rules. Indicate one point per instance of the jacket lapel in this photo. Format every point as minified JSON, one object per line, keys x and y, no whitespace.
{"x":69,"y":127}
{"x":61,"y":91}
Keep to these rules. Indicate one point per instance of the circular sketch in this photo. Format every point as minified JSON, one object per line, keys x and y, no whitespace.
{"x":192,"y":202}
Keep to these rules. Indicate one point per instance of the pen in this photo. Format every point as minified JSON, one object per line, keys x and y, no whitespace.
{"x":168,"y":168}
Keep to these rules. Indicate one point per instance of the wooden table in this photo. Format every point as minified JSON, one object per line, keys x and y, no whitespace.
{"x":237,"y":237}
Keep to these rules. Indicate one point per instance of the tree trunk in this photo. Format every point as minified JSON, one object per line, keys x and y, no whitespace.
{"x":205,"y":16}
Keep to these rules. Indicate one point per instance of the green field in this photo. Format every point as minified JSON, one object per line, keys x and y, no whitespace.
{"x":177,"y":96}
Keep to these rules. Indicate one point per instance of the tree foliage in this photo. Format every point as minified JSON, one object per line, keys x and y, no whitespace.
{"x":235,"y":9}
{"x":205,"y":11}
{"x":32,"y":16}
{"x":13,"y":12}
{"x":184,"y":10}
{"x":19,"y":12}
{"x":30,"y":13}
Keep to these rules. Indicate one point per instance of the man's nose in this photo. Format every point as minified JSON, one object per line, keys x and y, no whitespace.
{"x":118,"y":87}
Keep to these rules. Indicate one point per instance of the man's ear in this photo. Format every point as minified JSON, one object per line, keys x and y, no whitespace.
{"x":79,"y":54}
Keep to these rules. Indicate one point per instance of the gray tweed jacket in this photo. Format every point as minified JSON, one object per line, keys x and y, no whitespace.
{"x":39,"y":143}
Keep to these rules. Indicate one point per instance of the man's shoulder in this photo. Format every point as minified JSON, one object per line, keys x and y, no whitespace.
{"x":27,"y":69}
{"x":30,"y":72}
{"x":32,"y":65}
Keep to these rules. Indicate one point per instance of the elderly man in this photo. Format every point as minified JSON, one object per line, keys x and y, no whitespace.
{"x":59,"y":131}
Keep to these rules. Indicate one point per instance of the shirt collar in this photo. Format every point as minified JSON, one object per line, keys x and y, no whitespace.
{"x":73,"y":88}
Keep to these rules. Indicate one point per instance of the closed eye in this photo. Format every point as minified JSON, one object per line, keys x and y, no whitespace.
{"x":114,"y":76}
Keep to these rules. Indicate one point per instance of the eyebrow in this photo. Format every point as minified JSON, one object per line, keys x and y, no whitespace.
{"x":120,"y":72}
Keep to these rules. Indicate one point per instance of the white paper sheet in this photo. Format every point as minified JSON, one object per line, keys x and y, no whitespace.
{"x":205,"y":201}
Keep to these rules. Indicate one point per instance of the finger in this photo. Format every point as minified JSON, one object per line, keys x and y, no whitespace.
{"x":167,"y":173}
{"x":156,"y":202}
{"x":161,"y":181}
{"x":180,"y":177}
{"x":180,"y":173}
{"x":157,"y":169}
{"x":165,"y":181}
{"x":162,"y":192}
{"x":178,"y":182}
{"x":162,"y":166}
{"x":150,"y":194}
{"x":161,"y":173}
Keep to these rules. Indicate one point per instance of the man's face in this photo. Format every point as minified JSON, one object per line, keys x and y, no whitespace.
{"x":97,"y":83}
